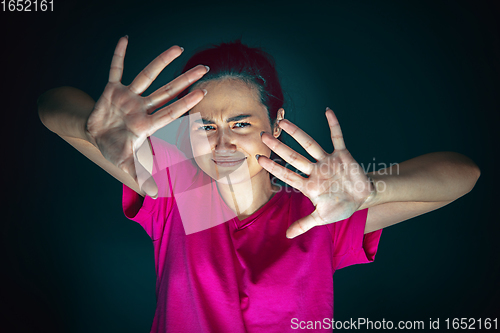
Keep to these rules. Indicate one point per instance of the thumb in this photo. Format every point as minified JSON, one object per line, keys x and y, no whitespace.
{"x":141,"y":176}
{"x":144,"y":178}
{"x":303,"y":225}
{"x":149,"y":187}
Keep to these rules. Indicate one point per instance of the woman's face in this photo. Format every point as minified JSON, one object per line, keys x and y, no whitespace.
{"x":225,"y":131}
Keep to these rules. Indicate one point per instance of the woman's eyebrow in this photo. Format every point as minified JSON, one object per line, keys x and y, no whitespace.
{"x":239,"y":117}
{"x":206,"y":121}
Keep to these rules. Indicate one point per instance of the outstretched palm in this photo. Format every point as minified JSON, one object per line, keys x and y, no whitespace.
{"x":336,"y":184}
{"x":122,"y":119}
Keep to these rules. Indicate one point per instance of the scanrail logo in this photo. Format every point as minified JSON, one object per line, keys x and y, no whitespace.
{"x":354,"y":324}
{"x":365,"y":323}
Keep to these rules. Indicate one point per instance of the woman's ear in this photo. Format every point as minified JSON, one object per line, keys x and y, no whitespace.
{"x":279,"y":117}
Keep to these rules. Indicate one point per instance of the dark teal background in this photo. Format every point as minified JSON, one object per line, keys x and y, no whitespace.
{"x":404,"y":78}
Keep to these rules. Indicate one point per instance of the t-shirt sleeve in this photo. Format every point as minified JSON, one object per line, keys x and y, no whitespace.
{"x":151,"y":213}
{"x":350,"y":244}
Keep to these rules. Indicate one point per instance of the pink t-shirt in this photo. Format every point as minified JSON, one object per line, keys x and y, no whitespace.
{"x":239,"y":276}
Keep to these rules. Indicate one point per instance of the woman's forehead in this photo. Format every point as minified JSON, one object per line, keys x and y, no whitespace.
{"x":229,"y":98}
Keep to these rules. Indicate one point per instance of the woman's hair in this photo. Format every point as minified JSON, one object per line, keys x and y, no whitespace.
{"x":238,"y":61}
{"x":235,"y":60}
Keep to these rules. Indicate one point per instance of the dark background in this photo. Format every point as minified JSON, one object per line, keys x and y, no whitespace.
{"x":404,"y":79}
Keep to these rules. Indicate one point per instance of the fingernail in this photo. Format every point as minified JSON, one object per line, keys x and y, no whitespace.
{"x":126,"y":36}
{"x":327,"y":108}
{"x":257,"y":156}
{"x":208,"y":68}
{"x":182,"y":49}
{"x":262,"y":133}
{"x":204,"y":91}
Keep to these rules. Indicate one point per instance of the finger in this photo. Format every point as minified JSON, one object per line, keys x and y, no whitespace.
{"x":335,"y":131}
{"x":175,"y":87}
{"x":304,"y":224}
{"x":311,"y":146}
{"x":288,"y":154}
{"x":151,"y":71}
{"x":165,"y":116}
{"x":116,"y":70}
{"x":289,"y":177}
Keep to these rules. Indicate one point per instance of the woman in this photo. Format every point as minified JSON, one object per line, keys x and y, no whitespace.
{"x":217,"y":220}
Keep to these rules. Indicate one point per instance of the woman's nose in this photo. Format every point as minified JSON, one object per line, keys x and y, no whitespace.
{"x":225,"y":141}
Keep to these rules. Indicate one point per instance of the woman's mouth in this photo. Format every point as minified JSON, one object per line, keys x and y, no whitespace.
{"x":228,"y":163}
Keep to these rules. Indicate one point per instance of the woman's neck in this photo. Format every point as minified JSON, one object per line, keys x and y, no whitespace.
{"x":247,"y":197}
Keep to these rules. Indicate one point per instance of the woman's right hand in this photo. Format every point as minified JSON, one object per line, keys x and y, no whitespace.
{"x":122,"y":119}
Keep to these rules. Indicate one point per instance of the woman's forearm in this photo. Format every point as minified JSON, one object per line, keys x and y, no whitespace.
{"x":434,"y":177}
{"x":65,"y":111}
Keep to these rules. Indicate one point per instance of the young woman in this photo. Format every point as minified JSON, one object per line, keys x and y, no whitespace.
{"x":234,"y":251}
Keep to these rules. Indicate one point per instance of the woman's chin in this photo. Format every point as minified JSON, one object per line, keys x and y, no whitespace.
{"x":231,"y":176}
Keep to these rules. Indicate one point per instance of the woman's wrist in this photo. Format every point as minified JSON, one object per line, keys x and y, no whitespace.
{"x":377,"y":192}
{"x":65,"y":111}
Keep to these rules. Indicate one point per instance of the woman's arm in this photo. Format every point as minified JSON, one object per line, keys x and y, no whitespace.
{"x":418,"y":186}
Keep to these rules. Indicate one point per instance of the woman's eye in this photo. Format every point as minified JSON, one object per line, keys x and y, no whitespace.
{"x":241,"y":125}
{"x":207,"y":128}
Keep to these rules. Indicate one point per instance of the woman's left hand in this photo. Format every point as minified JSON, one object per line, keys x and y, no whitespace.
{"x":336,"y":184}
